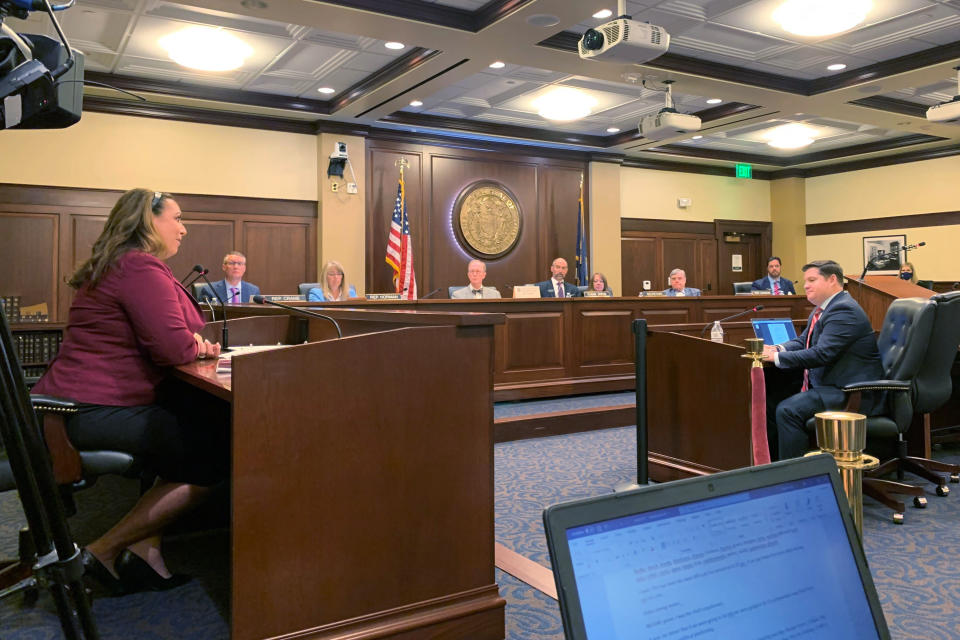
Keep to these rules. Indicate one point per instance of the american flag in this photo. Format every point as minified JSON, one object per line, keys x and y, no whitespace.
{"x":399,"y":249}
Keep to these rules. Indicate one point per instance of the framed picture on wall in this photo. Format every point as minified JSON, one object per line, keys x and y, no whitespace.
{"x":882,"y":254}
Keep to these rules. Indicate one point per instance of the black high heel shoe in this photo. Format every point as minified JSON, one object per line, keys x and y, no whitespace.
{"x":137,"y":575}
{"x":96,"y":570}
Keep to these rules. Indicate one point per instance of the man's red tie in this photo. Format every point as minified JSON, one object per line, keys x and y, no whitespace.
{"x":776,"y":287}
{"x":813,"y":323}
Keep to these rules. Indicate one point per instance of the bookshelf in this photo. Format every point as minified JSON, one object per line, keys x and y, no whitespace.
{"x":36,"y":344}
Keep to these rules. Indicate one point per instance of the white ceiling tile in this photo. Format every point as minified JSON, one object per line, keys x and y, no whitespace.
{"x":340,"y":80}
{"x":278,"y":85}
{"x":311,"y":59}
{"x":908,"y":25}
{"x":169,"y":70}
{"x":196,"y":15}
{"x":369,"y":62}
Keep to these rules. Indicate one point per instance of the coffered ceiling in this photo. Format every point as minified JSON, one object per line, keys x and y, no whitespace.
{"x":899,"y":61}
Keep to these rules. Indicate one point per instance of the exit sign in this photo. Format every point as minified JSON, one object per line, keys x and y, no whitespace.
{"x":744,"y":171}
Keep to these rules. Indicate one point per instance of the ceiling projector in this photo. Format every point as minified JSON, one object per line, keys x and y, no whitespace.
{"x":624,"y":40}
{"x":668,"y":122}
{"x":947,"y":111}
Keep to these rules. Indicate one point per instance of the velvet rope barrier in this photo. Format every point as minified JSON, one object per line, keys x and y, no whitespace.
{"x":758,"y":416}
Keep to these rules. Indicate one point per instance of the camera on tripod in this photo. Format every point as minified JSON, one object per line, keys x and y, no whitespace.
{"x":41,"y":79}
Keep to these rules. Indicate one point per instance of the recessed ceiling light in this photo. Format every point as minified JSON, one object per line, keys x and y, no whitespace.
{"x":564,"y":104}
{"x":790,"y":136}
{"x":497,"y":65}
{"x":613,"y":130}
{"x":714,"y":101}
{"x":603,"y":13}
{"x":394,"y":45}
{"x":836,"y":67}
{"x":206,"y":49}
{"x":697,"y":137}
{"x":821,"y":17}
{"x":416,"y":103}
{"x":325,"y":90}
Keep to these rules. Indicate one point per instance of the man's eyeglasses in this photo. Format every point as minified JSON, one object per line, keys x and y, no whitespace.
{"x":232,"y":263}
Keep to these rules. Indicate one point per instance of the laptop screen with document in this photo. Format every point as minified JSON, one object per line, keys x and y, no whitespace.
{"x":762,"y":552}
{"x":774,"y":330}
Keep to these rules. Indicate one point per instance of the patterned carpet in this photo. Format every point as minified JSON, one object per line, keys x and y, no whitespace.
{"x":916,"y":566}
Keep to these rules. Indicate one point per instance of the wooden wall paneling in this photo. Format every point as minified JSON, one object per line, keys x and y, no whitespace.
{"x":449,"y":174}
{"x":559,"y":193}
{"x":679,"y":252}
{"x":382,"y":180}
{"x":280,"y":254}
{"x":668,"y":315}
{"x":639,"y":260}
{"x":29,"y":259}
{"x":604,"y":339}
{"x":532,"y":345}
{"x":707,"y":267}
{"x":206,"y":242}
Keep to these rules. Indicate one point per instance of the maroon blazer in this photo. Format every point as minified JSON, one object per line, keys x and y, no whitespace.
{"x":123,"y":335}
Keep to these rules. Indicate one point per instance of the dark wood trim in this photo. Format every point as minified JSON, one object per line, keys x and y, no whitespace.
{"x":938,"y":219}
{"x":683,"y":167}
{"x":562,"y":422}
{"x":195,"y":115}
{"x":567,"y":41}
{"x":413,"y":87}
{"x":405,"y":63}
{"x":871,"y":163}
{"x":233,"y":96}
{"x":343,"y":128}
{"x":492,"y":129}
{"x":78,"y":198}
{"x":894,"y":105}
{"x":725,"y":111}
{"x":494,"y":11}
{"x":648,"y":225}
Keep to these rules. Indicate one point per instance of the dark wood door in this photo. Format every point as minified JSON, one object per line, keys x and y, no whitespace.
{"x":638,"y":262}
{"x":749,"y":246}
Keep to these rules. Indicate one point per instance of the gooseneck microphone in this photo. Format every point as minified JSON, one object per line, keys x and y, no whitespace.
{"x":911,"y":247}
{"x":198,"y":269}
{"x":430,"y":294}
{"x":313,"y":314}
{"x":224,"y":344}
{"x":736,"y":315}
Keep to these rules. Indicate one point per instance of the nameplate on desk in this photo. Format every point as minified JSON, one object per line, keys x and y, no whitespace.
{"x":287,"y":298}
{"x":597,"y":294}
{"x":383,"y":296}
{"x":652,"y":294}
{"x":761,"y":292}
{"x":526,"y":291}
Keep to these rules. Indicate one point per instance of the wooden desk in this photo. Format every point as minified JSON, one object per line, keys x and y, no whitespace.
{"x":875,"y":293}
{"x":362,"y":477}
{"x":550,"y":347}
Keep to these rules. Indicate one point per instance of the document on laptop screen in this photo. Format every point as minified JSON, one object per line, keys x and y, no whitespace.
{"x":773,"y":562}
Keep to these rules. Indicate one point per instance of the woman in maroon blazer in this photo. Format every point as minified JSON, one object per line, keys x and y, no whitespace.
{"x":129,"y":323}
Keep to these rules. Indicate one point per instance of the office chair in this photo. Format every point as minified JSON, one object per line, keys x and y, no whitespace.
{"x":306,"y":286}
{"x":742,"y":287}
{"x":196,"y":288}
{"x":54,"y":555}
{"x":926,"y":284}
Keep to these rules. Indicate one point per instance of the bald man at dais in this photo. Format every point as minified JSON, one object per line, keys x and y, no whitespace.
{"x":476,"y":272}
{"x":556,"y":286}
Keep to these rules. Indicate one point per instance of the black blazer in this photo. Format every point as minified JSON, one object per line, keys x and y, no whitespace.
{"x":842,"y":347}
{"x":546,"y":289}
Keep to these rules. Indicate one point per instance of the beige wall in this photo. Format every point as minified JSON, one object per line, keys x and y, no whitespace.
{"x":788,"y":218}
{"x":121,"y":152}
{"x":930,"y":186}
{"x":342,"y":230}
{"x":645,"y":193}
{"x":604,"y":205}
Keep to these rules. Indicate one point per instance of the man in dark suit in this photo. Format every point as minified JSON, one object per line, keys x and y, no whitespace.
{"x":773,"y":282}
{"x":835,"y":349}
{"x":556,"y":287}
{"x":232,"y":288}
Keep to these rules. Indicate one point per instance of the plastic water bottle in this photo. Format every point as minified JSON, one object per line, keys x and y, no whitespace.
{"x":716,"y":334}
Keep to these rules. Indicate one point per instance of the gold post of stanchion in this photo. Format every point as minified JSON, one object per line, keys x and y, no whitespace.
{"x":754,"y":351}
{"x":844,"y":436}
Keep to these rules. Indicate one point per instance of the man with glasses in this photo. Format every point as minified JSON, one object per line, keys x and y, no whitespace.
{"x":232,"y":288}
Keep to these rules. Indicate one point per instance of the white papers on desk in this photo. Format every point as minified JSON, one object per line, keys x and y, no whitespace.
{"x":224,"y":364}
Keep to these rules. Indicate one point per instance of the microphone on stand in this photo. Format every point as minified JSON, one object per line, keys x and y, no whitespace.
{"x":312,"y":314}
{"x":430,"y":294}
{"x":224,"y":344}
{"x":197,"y":268}
{"x":736,"y":315}
{"x":911,"y":247}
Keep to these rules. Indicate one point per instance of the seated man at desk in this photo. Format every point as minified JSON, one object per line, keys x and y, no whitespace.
{"x":556,"y":287}
{"x":678,"y":285}
{"x":773,"y":282}
{"x":476,"y":272}
{"x":836,"y":348}
{"x":232,"y":288}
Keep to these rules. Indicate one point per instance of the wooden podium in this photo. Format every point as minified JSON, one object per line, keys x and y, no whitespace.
{"x":698,"y":406}
{"x":875,"y":293}
{"x":362,"y":478}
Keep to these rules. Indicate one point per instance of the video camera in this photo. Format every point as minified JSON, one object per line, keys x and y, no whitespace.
{"x":41,"y":79}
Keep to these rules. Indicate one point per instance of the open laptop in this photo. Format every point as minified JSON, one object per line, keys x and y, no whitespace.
{"x":760,"y":552}
{"x":774,"y":330}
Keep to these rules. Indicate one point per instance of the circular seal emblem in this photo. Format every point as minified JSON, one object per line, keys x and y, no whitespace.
{"x":487,"y":219}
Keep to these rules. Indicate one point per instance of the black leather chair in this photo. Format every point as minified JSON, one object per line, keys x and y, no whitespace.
{"x":305,"y":287}
{"x":53,"y":554}
{"x":742,"y":287}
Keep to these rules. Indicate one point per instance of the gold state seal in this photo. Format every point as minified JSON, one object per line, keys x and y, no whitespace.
{"x":488,"y":219}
